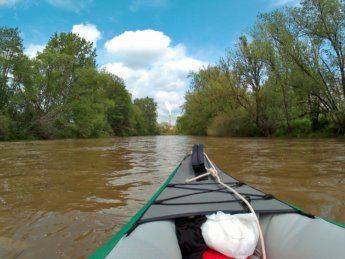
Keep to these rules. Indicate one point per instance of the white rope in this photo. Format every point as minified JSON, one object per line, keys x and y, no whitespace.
{"x":214,"y":173}
{"x":199,"y":176}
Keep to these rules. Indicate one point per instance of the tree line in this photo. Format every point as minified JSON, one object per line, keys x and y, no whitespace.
{"x":61,"y":94}
{"x":285,"y":78}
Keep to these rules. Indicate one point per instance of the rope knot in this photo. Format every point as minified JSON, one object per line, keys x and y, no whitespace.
{"x":212,"y":172}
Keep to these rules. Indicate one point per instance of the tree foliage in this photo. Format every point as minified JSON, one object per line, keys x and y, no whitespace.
{"x":145,"y":116}
{"x":286,"y":77}
{"x":11,"y":55}
{"x":61,"y":94}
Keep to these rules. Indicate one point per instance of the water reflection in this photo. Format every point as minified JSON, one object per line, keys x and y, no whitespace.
{"x":63,"y":199}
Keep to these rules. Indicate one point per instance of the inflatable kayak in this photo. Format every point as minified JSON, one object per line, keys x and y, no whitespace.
{"x":155,"y":231}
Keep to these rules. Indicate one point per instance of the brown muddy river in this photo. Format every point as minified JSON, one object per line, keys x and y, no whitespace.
{"x":64,"y":198}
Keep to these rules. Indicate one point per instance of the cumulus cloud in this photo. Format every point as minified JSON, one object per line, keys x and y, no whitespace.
{"x":151,"y":66}
{"x":138,"y":48}
{"x":32,"y":50}
{"x":87,"y":31}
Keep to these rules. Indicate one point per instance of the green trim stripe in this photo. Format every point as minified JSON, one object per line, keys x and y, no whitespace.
{"x":104,"y":250}
{"x":335,"y":222}
{"x":326,"y":219}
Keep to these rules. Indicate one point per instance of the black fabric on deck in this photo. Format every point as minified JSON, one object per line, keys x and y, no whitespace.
{"x":189,"y":236}
{"x":198,"y":161}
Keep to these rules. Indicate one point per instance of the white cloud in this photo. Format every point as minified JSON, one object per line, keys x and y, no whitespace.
{"x":152,"y":67}
{"x":32,"y":50}
{"x":87,"y":31}
{"x":138,"y":48}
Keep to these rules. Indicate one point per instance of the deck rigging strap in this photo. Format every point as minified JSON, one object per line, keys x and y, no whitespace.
{"x":248,"y":196}
{"x":214,"y":173}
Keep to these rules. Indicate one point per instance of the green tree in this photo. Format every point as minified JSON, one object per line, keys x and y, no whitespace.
{"x":11,"y":54}
{"x":84,"y":113}
{"x":61,"y":94}
{"x":249,"y":66}
{"x":323,"y":23}
{"x":211,"y":95}
{"x":58,"y":72}
{"x":311,"y":37}
{"x":146,"y":116}
{"x":119,"y":114}
{"x":5,"y":127}
{"x":283,"y":102}
{"x":289,"y":77}
{"x":13,"y":74}
{"x":215,"y":104}
{"x":196,"y":115}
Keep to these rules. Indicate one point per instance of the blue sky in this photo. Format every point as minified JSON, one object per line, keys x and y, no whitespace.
{"x":151,"y":44}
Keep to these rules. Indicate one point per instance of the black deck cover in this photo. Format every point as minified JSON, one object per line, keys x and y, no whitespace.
{"x":180,"y":199}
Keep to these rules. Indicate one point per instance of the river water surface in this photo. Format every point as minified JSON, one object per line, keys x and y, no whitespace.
{"x":65,"y":198}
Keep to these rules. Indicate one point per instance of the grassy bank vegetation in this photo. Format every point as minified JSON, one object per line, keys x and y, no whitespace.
{"x":285,"y":78}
